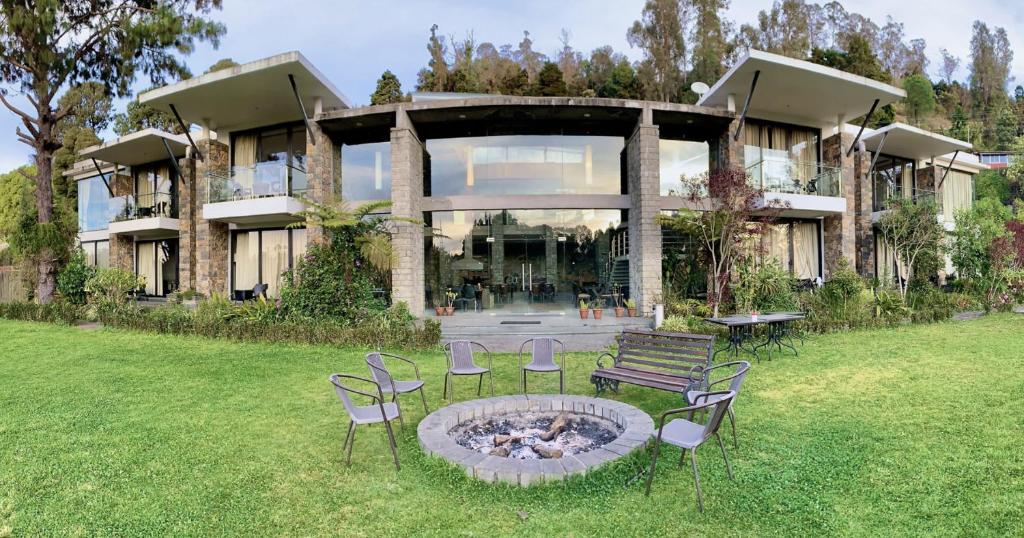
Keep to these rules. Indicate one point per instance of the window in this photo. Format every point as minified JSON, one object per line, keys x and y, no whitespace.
{"x":785,"y":158}
{"x":155,"y":193}
{"x":93,"y":204}
{"x":525,"y":164}
{"x":893,"y":177}
{"x":269,"y":162}
{"x":157,"y":263}
{"x":678,"y":159}
{"x":261,"y":256}
{"x":957,"y":193}
{"x":366,"y":171}
{"x":796,"y":246}
{"x":97,"y":253}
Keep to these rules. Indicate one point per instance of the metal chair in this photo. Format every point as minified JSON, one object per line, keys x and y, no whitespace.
{"x":459,"y":354}
{"x":542,"y":359}
{"x":388,"y":384}
{"x":379,"y":411}
{"x":688,"y":435}
{"x":705,"y":385}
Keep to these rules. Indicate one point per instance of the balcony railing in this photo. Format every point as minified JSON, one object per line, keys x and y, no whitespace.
{"x":261,"y":180}
{"x":796,"y":177}
{"x":884,"y":191}
{"x":143,"y":206}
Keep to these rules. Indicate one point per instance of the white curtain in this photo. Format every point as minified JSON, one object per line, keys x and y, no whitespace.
{"x":244,"y":152}
{"x":102,"y":254}
{"x":298,"y":245}
{"x":957,"y":193}
{"x":776,"y":245}
{"x":148,"y":268}
{"x":806,"y":250}
{"x":274,"y":259}
{"x":246,"y":260}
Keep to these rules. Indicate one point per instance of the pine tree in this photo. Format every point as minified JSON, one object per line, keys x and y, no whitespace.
{"x":550,"y":81}
{"x":389,"y":89}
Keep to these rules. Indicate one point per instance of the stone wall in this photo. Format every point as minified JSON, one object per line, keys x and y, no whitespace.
{"x":187,"y":208}
{"x":321,"y":172}
{"x":725,"y":151}
{"x":211,"y":237}
{"x":642,"y":166}
{"x":407,"y":276}
{"x":840,"y":230}
{"x":862,"y":208}
{"x":122,"y":247}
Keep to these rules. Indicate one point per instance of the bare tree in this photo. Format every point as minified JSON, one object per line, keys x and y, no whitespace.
{"x":950,"y":64}
{"x":912,"y":230}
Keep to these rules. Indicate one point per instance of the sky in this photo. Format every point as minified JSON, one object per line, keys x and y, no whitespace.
{"x":353,"y":42}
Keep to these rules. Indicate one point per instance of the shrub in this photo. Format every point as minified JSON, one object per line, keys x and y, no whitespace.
{"x":215,"y":309}
{"x":258,"y":310}
{"x":111,"y":290}
{"x":764,"y":288}
{"x":72,"y":278}
{"x":840,"y":303}
{"x":60,"y":311}
{"x":330,"y":283}
{"x":686,"y":324}
{"x":929,"y":304}
{"x":686,"y":308}
{"x":890,"y":308}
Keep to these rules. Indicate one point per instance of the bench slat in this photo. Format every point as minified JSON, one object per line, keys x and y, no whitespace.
{"x":667,"y":354}
{"x":664,"y":342}
{"x":634,"y":360}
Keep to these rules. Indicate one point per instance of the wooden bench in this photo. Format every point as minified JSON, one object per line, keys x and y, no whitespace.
{"x":659,"y":360}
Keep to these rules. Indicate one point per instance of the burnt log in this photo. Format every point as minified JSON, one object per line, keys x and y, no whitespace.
{"x":558,"y":426}
{"x":506,"y":439}
{"x":547,"y":452}
{"x":500,"y":451}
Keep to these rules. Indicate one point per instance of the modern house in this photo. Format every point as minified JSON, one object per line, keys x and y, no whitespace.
{"x":532,"y":201}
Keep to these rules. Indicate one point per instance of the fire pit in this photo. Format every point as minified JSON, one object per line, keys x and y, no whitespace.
{"x":525,"y":439}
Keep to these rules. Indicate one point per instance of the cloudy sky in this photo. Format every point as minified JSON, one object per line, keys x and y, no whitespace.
{"x":352,"y":42}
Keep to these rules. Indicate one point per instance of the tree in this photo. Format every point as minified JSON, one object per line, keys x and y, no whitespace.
{"x":73,"y":140}
{"x":735,"y":215}
{"x":975,"y":231}
{"x":550,"y":81}
{"x":710,"y":39}
{"x":958,"y":125}
{"x":48,"y":45}
{"x":991,"y":57}
{"x":434,"y":78}
{"x":527,"y":58}
{"x":138,"y":116}
{"x":913,"y":231}
{"x":1005,"y":128}
{"x":91,"y":103}
{"x":920,"y":99}
{"x":659,"y":33}
{"x":15,"y":199}
{"x":222,"y":64}
{"x":389,"y":90}
{"x":890,"y":48}
{"x":570,"y":63}
{"x":621,"y":83}
{"x":950,"y":65}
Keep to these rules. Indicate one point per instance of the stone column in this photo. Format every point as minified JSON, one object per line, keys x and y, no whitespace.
{"x":212,"y":253}
{"x":550,"y":256}
{"x":122,"y":247}
{"x":188,"y":206}
{"x":498,"y":250}
{"x":321,"y":172}
{"x":407,"y":278}
{"x":840,"y":230}
{"x":725,"y":152}
{"x":642,"y":163}
{"x":863,"y":228}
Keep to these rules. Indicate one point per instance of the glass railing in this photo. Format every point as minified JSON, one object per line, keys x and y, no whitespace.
{"x":796,"y":177}
{"x":884,"y":191}
{"x":261,"y":180}
{"x":143,"y":206}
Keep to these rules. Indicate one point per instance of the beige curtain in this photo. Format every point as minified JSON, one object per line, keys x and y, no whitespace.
{"x":802,"y":149}
{"x":144,"y":187}
{"x":147,"y":266}
{"x":245,"y":159}
{"x":907,"y":179}
{"x":957,"y":193}
{"x":274,"y":259}
{"x":102,"y":254}
{"x":776,"y":245}
{"x":298,"y":245}
{"x":752,"y":148}
{"x":806,"y":250}
{"x":246,"y":260}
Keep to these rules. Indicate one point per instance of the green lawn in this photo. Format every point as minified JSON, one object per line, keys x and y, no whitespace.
{"x":916,"y":430}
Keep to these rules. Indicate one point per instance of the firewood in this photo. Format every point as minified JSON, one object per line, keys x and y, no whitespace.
{"x":547,"y":452}
{"x":560,"y":424}
{"x":505,"y":439}
{"x":500,"y":451}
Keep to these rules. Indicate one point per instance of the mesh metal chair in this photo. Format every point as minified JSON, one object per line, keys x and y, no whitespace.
{"x":689,"y":435}
{"x":378,"y":411}
{"x":460,"y":362}
{"x":706,"y":385}
{"x":389,"y":385}
{"x":542,"y":359}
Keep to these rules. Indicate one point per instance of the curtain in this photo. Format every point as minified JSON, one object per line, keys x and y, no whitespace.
{"x":147,"y":266}
{"x":885,"y":257}
{"x":752,"y":147}
{"x":102,"y":254}
{"x":907,"y":179}
{"x":274,"y":259}
{"x":298,"y":245}
{"x":144,"y":187}
{"x":957,"y":193}
{"x":245,"y":159}
{"x":777,"y":245}
{"x":806,"y":250}
{"x":246,"y":260}
{"x":803,"y":150}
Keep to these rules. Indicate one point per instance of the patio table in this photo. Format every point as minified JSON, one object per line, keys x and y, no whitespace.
{"x":779,"y":327}
{"x":741,"y":329}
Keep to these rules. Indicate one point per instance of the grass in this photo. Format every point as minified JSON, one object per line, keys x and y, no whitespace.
{"x":911,"y":431}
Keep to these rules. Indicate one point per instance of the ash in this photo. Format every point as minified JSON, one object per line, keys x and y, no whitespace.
{"x":583,"y":433}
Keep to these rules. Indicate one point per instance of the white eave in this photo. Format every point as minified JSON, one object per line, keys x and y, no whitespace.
{"x":249,"y":95}
{"x":141,"y":147}
{"x":797,"y":91}
{"x":907,"y":141}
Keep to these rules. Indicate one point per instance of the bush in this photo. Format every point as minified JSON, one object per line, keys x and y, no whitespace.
{"x":928,"y":304}
{"x":112,"y":290}
{"x":688,"y":324}
{"x":72,"y":278}
{"x":890,"y":308}
{"x":60,"y":311}
{"x":330,"y":283}
{"x":686,"y":308}
{"x":215,"y":309}
{"x":765,"y":288}
{"x":840,"y":303}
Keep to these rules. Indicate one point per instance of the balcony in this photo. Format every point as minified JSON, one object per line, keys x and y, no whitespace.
{"x":260,"y":193}
{"x":806,"y":189}
{"x":144,"y":216}
{"x":884,"y":191}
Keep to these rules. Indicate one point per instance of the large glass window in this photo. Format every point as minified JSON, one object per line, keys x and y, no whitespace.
{"x":892,"y":177}
{"x":680,"y":159}
{"x":525,"y":164}
{"x":957,"y":193}
{"x":785,"y":158}
{"x":264,"y":162}
{"x":155,"y":193}
{"x":366,"y":171}
{"x":525,"y":260}
{"x":795,"y":246}
{"x":97,"y":253}
{"x":93,"y":204}
{"x":157,"y":263}
{"x":261,"y":256}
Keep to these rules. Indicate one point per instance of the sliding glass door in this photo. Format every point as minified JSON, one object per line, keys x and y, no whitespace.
{"x":157,"y":263}
{"x":261,"y":257}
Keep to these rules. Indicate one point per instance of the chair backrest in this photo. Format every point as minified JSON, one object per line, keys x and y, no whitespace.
{"x":668,"y":353}
{"x":742,"y":367}
{"x":342,"y":393}
{"x":543,"y":352}
{"x":460,"y":353}
{"x":722,"y":399}
{"x":259,"y":289}
{"x":378,"y":371}
{"x":468,"y":291}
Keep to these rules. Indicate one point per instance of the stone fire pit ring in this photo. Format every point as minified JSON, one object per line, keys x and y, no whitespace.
{"x":637,"y":429}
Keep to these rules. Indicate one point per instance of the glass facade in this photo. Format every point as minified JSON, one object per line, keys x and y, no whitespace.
{"x":525,"y":164}
{"x":786,"y":158}
{"x":366,"y":171}
{"x":97,"y":253}
{"x":523,"y":260}
{"x":893,"y":177}
{"x":261,"y":256}
{"x":796,"y":246}
{"x":157,"y":263}
{"x":93,"y":205}
{"x":681,"y":159}
{"x":265,"y":162}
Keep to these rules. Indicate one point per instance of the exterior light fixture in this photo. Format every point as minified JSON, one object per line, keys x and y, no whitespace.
{"x":490,"y":239}
{"x":561,"y":238}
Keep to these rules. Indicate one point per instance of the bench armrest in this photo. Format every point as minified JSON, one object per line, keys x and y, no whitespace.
{"x":602,"y":356}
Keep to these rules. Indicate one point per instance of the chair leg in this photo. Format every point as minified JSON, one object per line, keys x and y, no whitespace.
{"x":721,"y":445}
{"x":522,"y":382}
{"x":561,"y":382}
{"x":654,"y":462}
{"x":490,"y":377}
{"x":423,"y":396}
{"x":348,"y":436}
{"x":479,"y":384}
{"x":398,"y":405}
{"x":696,"y":479}
{"x":351,"y":442}
{"x":445,"y":390}
{"x":394,"y":445}
{"x":682,"y":456}
{"x":732,"y":422}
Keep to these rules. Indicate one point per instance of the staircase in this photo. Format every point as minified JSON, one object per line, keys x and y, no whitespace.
{"x":620,"y":272}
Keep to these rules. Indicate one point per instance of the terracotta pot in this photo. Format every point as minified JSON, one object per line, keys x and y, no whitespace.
{"x":584,"y":313}
{"x":597,"y":313}
{"x":619,"y":311}
{"x":449,"y":310}
{"x":632,"y":312}
{"x":439,"y":310}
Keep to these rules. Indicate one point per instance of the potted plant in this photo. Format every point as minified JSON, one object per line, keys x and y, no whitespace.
{"x":619,"y":309}
{"x":438,"y":307}
{"x":598,"y":307}
{"x":584,"y":311}
{"x":753,"y":315}
{"x":631,"y":307}
{"x":450,"y":296}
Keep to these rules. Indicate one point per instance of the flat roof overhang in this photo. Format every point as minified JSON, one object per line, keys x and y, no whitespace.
{"x":142,"y":147}
{"x":506,"y":115}
{"x":148,"y":228}
{"x":902,"y":140}
{"x":797,"y":91}
{"x":274,"y":209}
{"x":250,"y":95}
